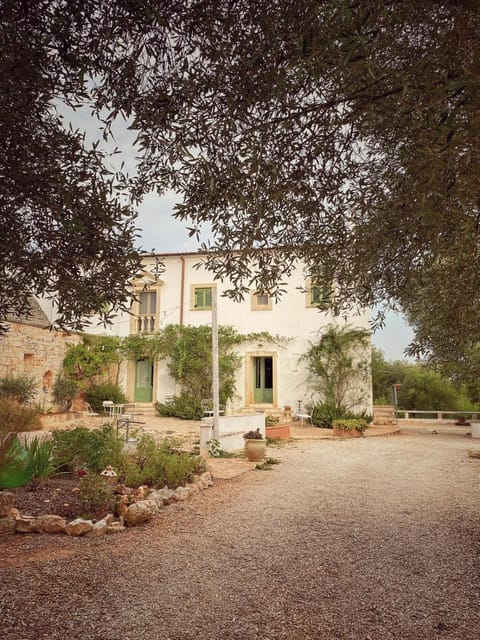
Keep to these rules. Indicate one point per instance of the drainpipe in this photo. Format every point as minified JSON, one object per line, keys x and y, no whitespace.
{"x":182,"y":290}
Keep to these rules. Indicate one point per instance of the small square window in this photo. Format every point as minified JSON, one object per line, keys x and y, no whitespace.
{"x":202,"y":297}
{"x":261,"y":301}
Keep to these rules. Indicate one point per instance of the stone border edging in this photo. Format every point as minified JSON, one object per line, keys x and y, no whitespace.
{"x":133,"y":510}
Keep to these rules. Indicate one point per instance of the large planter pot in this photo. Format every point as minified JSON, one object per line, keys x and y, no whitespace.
{"x":346,"y":433}
{"x":255,"y":449}
{"x":278,"y":432}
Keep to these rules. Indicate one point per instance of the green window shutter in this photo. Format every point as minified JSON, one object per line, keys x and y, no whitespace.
{"x":320,"y":295}
{"x":203,"y":298}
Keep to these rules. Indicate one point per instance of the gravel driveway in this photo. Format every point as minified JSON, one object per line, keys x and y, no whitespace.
{"x":377,"y":538}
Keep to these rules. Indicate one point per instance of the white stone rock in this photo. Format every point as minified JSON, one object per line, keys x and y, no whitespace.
{"x":181,"y":493}
{"x":115,"y":527}
{"x":25,"y":524}
{"x":141,"y":511}
{"x":192,"y":489}
{"x":78,"y":527}
{"x":168,"y":495}
{"x":158,"y":497}
{"x":207,"y":478}
{"x":50,"y":524}
{"x":100,"y":528}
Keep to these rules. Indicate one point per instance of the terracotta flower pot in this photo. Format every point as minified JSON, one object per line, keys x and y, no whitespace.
{"x":255,"y":449}
{"x":278,"y":432}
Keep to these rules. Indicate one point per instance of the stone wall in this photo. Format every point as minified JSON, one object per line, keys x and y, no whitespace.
{"x":36,"y":352}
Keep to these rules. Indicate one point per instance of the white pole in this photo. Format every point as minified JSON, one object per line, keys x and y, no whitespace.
{"x":215,"y":371}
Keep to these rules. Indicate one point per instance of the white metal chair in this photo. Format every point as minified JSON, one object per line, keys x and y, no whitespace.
{"x":90,"y":411}
{"x":306,"y":415}
{"x":108,"y":408}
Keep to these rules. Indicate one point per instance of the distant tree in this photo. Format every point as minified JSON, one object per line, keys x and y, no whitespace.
{"x":420,"y":387}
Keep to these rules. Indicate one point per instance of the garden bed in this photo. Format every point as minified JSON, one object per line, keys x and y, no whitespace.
{"x":58,"y":495}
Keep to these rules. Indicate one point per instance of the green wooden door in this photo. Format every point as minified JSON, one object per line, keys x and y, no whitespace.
{"x":263,"y":380}
{"x":144,"y":381}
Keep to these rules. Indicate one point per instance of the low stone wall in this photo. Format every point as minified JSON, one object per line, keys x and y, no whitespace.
{"x":231,"y":430}
{"x":56,"y":420}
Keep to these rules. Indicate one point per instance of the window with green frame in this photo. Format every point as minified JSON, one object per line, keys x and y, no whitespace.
{"x":320,"y":295}
{"x":203,"y":298}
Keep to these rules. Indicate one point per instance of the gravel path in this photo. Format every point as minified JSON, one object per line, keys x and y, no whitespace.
{"x":374,"y":539}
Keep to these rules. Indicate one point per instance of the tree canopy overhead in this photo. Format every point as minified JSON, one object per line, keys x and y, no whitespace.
{"x":343,"y":132}
{"x":64,"y":231}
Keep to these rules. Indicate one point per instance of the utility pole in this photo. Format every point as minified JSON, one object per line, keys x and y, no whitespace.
{"x":215,"y":370}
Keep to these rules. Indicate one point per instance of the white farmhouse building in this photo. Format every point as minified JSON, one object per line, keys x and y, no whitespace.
{"x":271,"y":374}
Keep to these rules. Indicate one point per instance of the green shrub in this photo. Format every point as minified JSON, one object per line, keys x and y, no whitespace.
{"x":160,"y":465}
{"x":324,"y":413}
{"x":81,"y":447}
{"x":20,"y":388}
{"x":39,"y":459}
{"x":64,"y":390}
{"x":17,"y":417}
{"x":358,"y":424}
{"x":95,"y":492}
{"x":184,"y":407}
{"x":271,"y":421}
{"x":14,"y":471}
{"x":98,"y":392}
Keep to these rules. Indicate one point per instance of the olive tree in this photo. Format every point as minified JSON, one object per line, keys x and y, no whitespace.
{"x":339,"y":366}
{"x":344,"y":133}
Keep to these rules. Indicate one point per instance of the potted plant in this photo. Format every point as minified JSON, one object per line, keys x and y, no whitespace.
{"x":354,"y":428}
{"x":255,"y":445}
{"x":287,"y":410}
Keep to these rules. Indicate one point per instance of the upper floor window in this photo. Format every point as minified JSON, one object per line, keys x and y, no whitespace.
{"x":201,"y":296}
{"x":147,"y":312}
{"x":318,"y":295}
{"x":146,"y":305}
{"x":261,"y":301}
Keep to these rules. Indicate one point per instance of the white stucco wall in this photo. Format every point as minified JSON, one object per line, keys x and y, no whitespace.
{"x":290,"y":318}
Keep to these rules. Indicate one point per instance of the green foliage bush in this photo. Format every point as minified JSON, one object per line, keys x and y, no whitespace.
{"x":325,"y":413}
{"x":39,"y":459}
{"x":14,"y":471}
{"x":183,"y":406}
{"x":95,"y":492}
{"x":90,"y":449}
{"x":421,"y":388}
{"x":160,"y":465}
{"x":64,"y":389}
{"x":97,"y":392}
{"x":358,"y":424}
{"x":20,"y":388}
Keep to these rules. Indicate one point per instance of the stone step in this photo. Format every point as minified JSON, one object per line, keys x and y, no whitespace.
{"x":145,"y":408}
